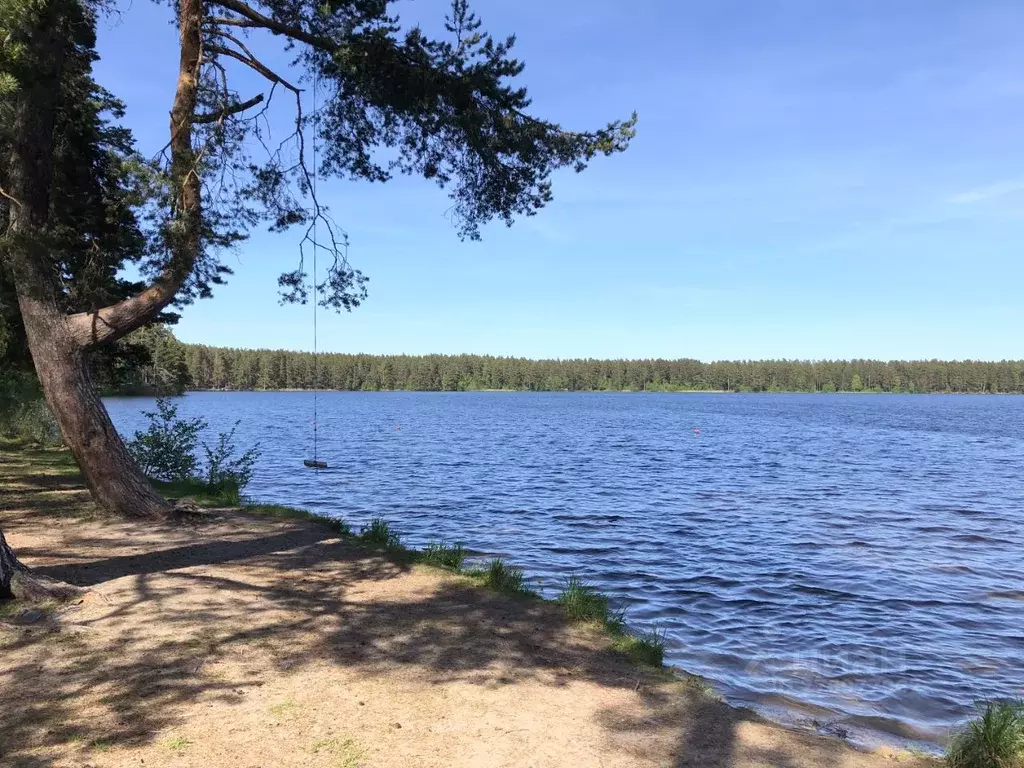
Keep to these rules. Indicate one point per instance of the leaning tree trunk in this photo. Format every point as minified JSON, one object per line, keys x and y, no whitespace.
{"x":116,"y":482}
{"x":58,"y":354}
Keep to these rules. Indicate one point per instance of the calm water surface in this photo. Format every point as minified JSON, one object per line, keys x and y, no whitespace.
{"x":844,"y":557}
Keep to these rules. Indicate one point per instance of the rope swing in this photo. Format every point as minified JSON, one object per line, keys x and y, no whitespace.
{"x":315,"y":462}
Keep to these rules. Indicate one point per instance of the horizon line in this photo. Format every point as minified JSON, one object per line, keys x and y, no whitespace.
{"x":747,"y":360}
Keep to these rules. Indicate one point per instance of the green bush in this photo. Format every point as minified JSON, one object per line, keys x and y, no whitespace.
{"x":33,"y":422}
{"x":226,"y":473}
{"x":15,"y":388}
{"x":166,"y":450}
{"x":444,"y":554}
{"x":995,"y":739}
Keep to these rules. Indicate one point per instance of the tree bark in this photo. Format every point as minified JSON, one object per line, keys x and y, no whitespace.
{"x":115,"y":480}
{"x":18,"y":581}
{"x":113,"y":477}
{"x":9,"y":565}
{"x":89,"y":329}
{"x":58,"y":341}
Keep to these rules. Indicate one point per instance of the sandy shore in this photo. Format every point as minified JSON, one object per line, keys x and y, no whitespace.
{"x":245,"y":641}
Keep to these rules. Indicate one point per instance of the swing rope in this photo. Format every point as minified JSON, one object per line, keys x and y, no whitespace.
{"x":316,"y":378}
{"x":315,"y":462}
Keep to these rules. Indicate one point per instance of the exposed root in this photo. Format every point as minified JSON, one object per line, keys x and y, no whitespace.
{"x":188,"y":509}
{"x":31,"y":587}
{"x":17,"y":581}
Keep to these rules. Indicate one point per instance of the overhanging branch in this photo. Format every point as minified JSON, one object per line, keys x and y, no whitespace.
{"x":224,"y":21}
{"x":90,"y":329}
{"x":233,"y":109}
{"x":254,"y":64}
{"x":278,"y":28}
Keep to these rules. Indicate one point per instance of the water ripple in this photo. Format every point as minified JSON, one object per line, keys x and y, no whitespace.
{"x":848,"y":557}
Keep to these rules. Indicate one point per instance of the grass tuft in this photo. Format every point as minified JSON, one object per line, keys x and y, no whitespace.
{"x":444,"y":554}
{"x":346,"y":751}
{"x":583,"y":602}
{"x":380,"y":534}
{"x":648,"y":648}
{"x":102,"y":744}
{"x":701,"y":686}
{"x":995,"y":739}
{"x":177,"y":743}
{"x":285,"y":707}
{"x":507,"y":579}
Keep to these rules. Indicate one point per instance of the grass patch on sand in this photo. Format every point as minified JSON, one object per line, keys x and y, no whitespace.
{"x":994,"y":739}
{"x":29,"y":468}
{"x":346,"y":751}
{"x":103,"y":744}
{"x":194,"y":489}
{"x":177,"y":744}
{"x":204,"y":497}
{"x":285,"y":707}
{"x":582,"y":601}
{"x":503,"y":578}
{"x":379,"y":533}
{"x":58,"y":460}
{"x":647,"y":648}
{"x":444,"y":555}
{"x":25,"y":611}
{"x":701,"y":686}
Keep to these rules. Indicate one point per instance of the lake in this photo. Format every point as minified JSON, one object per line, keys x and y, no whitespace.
{"x":847,"y":558}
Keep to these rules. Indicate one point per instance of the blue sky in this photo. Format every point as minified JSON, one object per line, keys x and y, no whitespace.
{"x":810,"y":180}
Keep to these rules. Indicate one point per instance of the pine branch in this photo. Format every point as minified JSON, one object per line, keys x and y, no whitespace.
{"x":278,"y":28}
{"x":92,"y":328}
{"x":218,"y":21}
{"x":234,"y":109}
{"x":254,"y":64}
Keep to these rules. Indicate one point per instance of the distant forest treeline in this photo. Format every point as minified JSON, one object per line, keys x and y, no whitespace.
{"x":243,"y":369}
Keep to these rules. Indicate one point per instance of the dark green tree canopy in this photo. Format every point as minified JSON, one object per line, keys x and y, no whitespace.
{"x":99,"y":184}
{"x":246,"y":369}
{"x":389,"y":100}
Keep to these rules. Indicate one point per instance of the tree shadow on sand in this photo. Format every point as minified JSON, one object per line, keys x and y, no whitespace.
{"x":230,"y":604}
{"x":264,"y":598}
